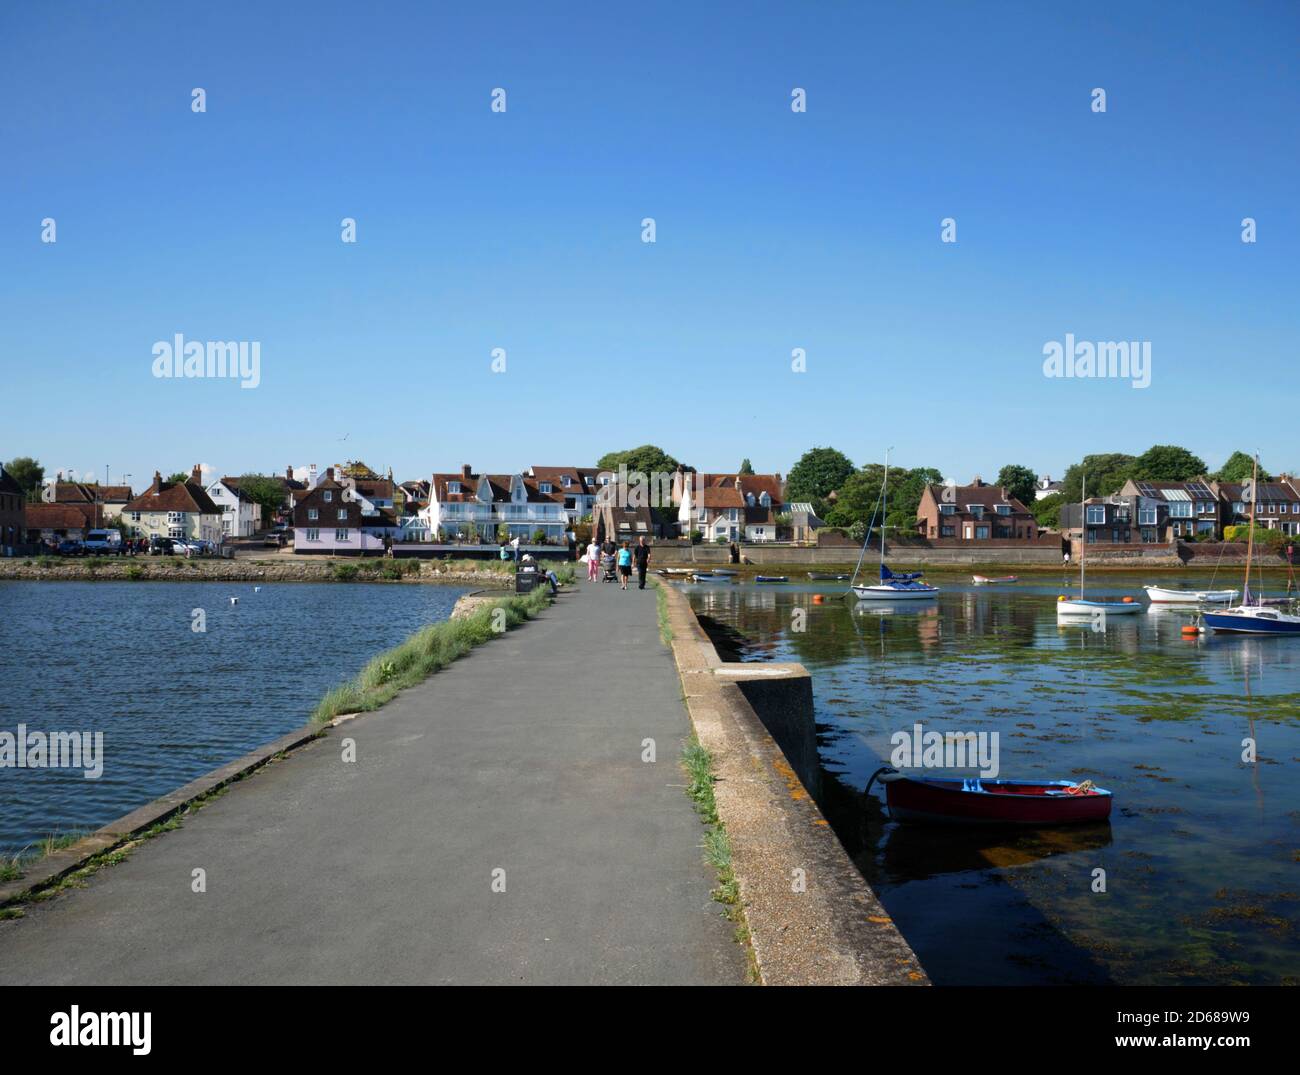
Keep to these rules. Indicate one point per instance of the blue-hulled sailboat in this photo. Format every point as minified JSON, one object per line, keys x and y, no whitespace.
{"x":902,"y":586}
{"x":1252,"y":617}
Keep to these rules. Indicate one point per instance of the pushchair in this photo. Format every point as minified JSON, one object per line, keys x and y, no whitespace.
{"x":607,"y":567}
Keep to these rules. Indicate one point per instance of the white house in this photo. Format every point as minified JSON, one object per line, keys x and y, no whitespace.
{"x":729,"y":507}
{"x":240,"y":514}
{"x":468,"y":506}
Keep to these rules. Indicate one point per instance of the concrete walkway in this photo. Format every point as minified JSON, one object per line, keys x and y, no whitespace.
{"x":524,"y":756}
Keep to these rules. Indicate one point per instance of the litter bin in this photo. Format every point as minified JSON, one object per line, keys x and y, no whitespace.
{"x":526,"y":578}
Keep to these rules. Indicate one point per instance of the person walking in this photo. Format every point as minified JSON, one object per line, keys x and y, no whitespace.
{"x":641,"y":556}
{"x":593,"y":561}
{"x":624,"y":565}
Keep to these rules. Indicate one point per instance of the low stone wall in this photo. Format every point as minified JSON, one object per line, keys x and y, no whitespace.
{"x":279,"y":569}
{"x":834,"y":931}
{"x":668,"y":555}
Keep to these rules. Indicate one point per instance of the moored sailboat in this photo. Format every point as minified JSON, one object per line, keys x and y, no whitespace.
{"x":1251,"y":617}
{"x":1080,"y":606}
{"x":892,"y":586}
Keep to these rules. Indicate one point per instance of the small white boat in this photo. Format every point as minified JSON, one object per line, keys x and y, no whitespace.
{"x":981,"y":580}
{"x":723,"y":572}
{"x":896,"y":591}
{"x":1077,"y":607}
{"x":1252,"y":620}
{"x":771,"y":578}
{"x":710,"y":576}
{"x":1161,"y":595}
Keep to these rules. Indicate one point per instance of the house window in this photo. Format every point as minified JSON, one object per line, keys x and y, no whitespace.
{"x":545,"y":487}
{"x":1097,"y":515}
{"x":176,"y":532}
{"x":453,"y":488}
{"x":340,"y":535}
{"x":765,"y":499}
{"x":976,"y":509}
{"x":947,"y":531}
{"x":343,"y":513}
{"x":1004,"y":509}
{"x":1238,"y":507}
{"x":135,"y":516}
{"x":1180,"y":509}
{"x":947,"y":509}
{"x":313,"y":535}
{"x":566,"y":481}
{"x":328,"y":495}
{"x":733,"y":514}
{"x":1147,"y":516}
{"x":981,"y":532}
{"x":313,"y":513}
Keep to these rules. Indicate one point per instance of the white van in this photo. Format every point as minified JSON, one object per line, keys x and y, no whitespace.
{"x":103,"y":541}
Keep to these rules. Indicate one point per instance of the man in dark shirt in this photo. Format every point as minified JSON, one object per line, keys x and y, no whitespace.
{"x":641,"y":557}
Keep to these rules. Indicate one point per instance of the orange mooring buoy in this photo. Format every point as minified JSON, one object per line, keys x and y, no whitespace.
{"x":818,"y":599}
{"x":1190,"y":630}
{"x":1128,"y":600}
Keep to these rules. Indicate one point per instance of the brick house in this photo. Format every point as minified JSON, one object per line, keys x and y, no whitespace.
{"x":175,"y":510}
{"x":1168,"y":510}
{"x":58,"y":522}
{"x":974,"y":512}
{"x":12,"y":513}
{"x":729,"y":507}
{"x":1277,"y":504}
{"x":332,"y":519}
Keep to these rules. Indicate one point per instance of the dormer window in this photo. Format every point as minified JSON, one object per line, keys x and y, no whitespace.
{"x":947,"y":509}
{"x":765,"y":499}
{"x":327,"y":495}
{"x":1004,"y":509}
{"x":749,"y":499}
{"x":453,"y":488}
{"x":566,"y":481}
{"x":545,"y":487}
{"x":976,"y":509}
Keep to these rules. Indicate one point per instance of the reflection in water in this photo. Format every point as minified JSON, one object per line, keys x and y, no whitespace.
{"x":1201,"y":854}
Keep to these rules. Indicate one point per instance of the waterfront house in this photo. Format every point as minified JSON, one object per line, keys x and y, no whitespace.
{"x":57,"y":522}
{"x":241,"y":515}
{"x":1182,"y":509}
{"x":333,"y":518}
{"x":466,"y":506}
{"x":729,"y":507}
{"x":975,"y":512}
{"x":1277,"y":504}
{"x":574,"y":488}
{"x":107,"y":501}
{"x":12,"y":513}
{"x":175,"y":510}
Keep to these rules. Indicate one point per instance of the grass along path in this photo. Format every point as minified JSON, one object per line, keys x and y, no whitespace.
{"x":427,"y":651}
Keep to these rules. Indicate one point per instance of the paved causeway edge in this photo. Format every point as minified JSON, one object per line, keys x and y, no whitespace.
{"x":836,"y":932}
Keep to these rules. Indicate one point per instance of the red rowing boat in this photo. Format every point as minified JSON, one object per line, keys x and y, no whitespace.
{"x":991,"y":802}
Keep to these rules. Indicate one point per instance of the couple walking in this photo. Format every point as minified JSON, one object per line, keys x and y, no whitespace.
{"x":624,"y":557}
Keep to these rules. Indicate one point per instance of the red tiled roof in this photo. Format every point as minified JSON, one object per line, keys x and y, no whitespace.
{"x":57,"y":516}
{"x":187,"y":496}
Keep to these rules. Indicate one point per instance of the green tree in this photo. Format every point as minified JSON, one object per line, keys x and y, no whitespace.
{"x":28,"y":473}
{"x":857,"y":498}
{"x":265,"y":492}
{"x":647,"y":459}
{"x":1167,"y":462}
{"x":179,"y":476}
{"x":1239,"y":467}
{"x":746,"y":467}
{"x":1106,"y":473}
{"x":1048,"y":510}
{"x":818,"y":473}
{"x":1020,"y":482}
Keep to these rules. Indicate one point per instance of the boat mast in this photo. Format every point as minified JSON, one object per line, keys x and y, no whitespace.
{"x":884,"y":511}
{"x":1083,"y":531}
{"x":1250,"y":534}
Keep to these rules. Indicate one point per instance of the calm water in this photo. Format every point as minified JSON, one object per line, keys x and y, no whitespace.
{"x":1202,"y":853}
{"x":173,"y":704}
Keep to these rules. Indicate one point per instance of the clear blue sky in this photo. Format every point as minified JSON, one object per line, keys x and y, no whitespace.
{"x":523,"y":231}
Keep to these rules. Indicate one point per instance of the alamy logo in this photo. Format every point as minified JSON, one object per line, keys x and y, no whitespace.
{"x":211,"y":359}
{"x":919,"y":749}
{"x":53,"y":750}
{"x":76,"y":1027}
{"x":1120,"y":360}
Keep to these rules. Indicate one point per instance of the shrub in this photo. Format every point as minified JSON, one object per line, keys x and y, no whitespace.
{"x":345,"y":572}
{"x":134,"y":572}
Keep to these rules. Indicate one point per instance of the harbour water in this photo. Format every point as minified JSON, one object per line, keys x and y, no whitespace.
{"x":174,"y":703}
{"x":1201,"y":857}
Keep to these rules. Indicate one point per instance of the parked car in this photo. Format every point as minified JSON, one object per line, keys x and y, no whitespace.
{"x":161,"y":546}
{"x":70,"y":548}
{"x":103,"y":541}
{"x":191,"y":545}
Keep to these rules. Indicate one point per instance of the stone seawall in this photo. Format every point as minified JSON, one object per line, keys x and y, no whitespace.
{"x":163,"y":569}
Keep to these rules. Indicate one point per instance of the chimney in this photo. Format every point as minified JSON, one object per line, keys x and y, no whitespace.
{"x":311,"y":476}
{"x":465,"y":471}
{"x":329,"y":474}
{"x":288,"y":473}
{"x":196,"y":475}
{"x":737,"y":483}
{"x":157,"y":480}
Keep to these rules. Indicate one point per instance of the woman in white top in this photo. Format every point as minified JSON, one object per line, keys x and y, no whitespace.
{"x":593,"y":561}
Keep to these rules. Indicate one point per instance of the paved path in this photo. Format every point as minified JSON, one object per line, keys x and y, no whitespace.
{"x":523,"y":756}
